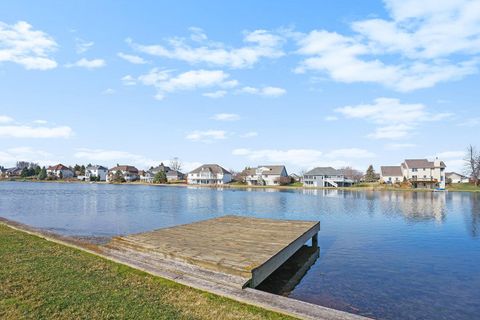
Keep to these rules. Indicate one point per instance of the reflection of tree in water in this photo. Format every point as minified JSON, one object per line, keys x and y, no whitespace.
{"x":475,"y":215}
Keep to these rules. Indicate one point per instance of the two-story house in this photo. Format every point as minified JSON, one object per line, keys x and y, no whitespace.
{"x":266,"y":175}
{"x":326,"y":177}
{"x":129,"y":173}
{"x":209,"y":174}
{"x":96,"y":171}
{"x":60,"y":171}
{"x":423,"y":173}
{"x":391,"y":174}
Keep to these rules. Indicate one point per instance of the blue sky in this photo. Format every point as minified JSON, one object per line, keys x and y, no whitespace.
{"x":322,"y":83}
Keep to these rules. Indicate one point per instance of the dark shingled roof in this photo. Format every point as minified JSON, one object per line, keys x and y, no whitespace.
{"x":213,"y":168}
{"x":58,"y":167}
{"x":393,"y":171}
{"x":274,"y":170}
{"x":422,"y":163}
{"x":324,"y":171}
{"x":125,"y":168}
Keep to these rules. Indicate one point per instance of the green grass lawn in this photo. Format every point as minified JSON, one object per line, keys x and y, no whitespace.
{"x":463,"y":187}
{"x":44,"y":280}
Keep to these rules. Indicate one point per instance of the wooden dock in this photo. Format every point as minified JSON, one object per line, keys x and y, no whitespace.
{"x":230,"y":250}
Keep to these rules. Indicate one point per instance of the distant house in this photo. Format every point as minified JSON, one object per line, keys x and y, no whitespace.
{"x":209,"y":174}
{"x":12,"y":172}
{"x":391,"y":174}
{"x":96,"y":171}
{"x":295,"y":177}
{"x":424,"y":174}
{"x":146,"y":176}
{"x":266,"y":175}
{"x":326,"y":177}
{"x":454,"y":177}
{"x":129,"y":173}
{"x":174,"y":175}
{"x":60,"y":171}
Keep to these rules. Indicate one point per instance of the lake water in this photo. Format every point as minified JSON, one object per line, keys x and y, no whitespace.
{"x":390,"y":255}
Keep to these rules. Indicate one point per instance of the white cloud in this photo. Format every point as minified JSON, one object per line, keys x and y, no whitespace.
{"x":5,"y":119}
{"x":108,"y":91}
{"x":114,"y":156}
{"x":420,"y":45}
{"x":250,"y":134}
{"x":82,"y":46}
{"x":265,"y":91}
{"x":258,"y":44}
{"x":226,"y":117}
{"x":165,"y":83}
{"x":206,"y":136}
{"x":10,"y":156}
{"x":128,"y":80}
{"x":350,"y":153}
{"x":454,"y":160}
{"x":131,"y":58}
{"x":39,"y":121}
{"x":24,"y":131}
{"x":472,"y":122}
{"x":20,"y":44}
{"x":88,"y":64}
{"x":215,"y":94}
{"x":396,"y":119}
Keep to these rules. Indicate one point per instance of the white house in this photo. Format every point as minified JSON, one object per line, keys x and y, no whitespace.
{"x":391,"y":174}
{"x":174,"y":175}
{"x":454,"y":177}
{"x":60,"y":171}
{"x":129,"y":173}
{"x":266,"y":175}
{"x":326,"y":177}
{"x":146,"y":176}
{"x":424,"y":174}
{"x":96,"y":171}
{"x":209,"y":174}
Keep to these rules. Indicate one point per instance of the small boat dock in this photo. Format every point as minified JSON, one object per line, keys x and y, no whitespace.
{"x":230,"y":250}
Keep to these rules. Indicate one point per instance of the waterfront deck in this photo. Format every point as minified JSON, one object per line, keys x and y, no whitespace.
{"x":231,"y":250}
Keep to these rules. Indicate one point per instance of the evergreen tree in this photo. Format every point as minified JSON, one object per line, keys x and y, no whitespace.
{"x":24,"y":172}
{"x":160,"y":177}
{"x":370,"y":174}
{"x":42,"y":175}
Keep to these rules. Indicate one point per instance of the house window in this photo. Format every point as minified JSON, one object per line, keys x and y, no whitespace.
{"x":414,"y":170}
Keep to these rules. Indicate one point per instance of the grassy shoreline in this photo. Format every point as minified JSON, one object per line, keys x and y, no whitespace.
{"x":464,"y":187}
{"x":43,"y":279}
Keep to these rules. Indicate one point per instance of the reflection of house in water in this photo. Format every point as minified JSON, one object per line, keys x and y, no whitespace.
{"x":415,"y":206}
{"x":323,"y":192}
{"x":473,"y":219}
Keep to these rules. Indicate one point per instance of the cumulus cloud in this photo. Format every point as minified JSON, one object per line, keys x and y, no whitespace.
{"x":131,"y":58}
{"x":258,"y":44}
{"x":418,"y":46}
{"x":303,"y":158}
{"x":165,"y":82}
{"x":395,"y":119}
{"x":82,"y":46}
{"x":215,"y":94}
{"x":5,"y":119}
{"x":21,"y":44}
{"x":206,"y":136}
{"x":10,"y":156}
{"x":265,"y":91}
{"x":226,"y":117}
{"x":88,"y":64}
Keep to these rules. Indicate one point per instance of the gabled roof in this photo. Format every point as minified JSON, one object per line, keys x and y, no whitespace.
{"x":449,"y":174}
{"x":213,"y":168}
{"x":273,"y":170}
{"x":324,"y":171}
{"x":58,"y":167}
{"x":96,"y":167}
{"x":161,"y":167}
{"x":125,"y":168}
{"x":393,"y":171}
{"x":174,"y":173}
{"x":422,"y":163}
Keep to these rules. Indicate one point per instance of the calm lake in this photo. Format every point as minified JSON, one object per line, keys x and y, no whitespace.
{"x":389,"y":255}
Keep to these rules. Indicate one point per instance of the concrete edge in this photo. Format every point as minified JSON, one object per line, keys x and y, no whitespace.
{"x":265,"y":300}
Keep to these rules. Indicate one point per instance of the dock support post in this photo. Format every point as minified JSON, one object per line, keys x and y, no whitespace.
{"x":315,"y":240}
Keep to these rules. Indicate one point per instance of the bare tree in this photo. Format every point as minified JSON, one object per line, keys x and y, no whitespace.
{"x":472,"y":164}
{"x":351,"y":173}
{"x":176,"y":164}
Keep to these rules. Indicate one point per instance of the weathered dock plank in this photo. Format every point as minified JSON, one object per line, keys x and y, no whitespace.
{"x":242,"y":247}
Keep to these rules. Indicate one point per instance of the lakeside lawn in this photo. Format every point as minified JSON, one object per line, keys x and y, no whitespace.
{"x":45,"y":280}
{"x":463,"y":187}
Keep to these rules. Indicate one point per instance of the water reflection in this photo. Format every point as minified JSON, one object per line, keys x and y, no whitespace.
{"x":394,"y":255}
